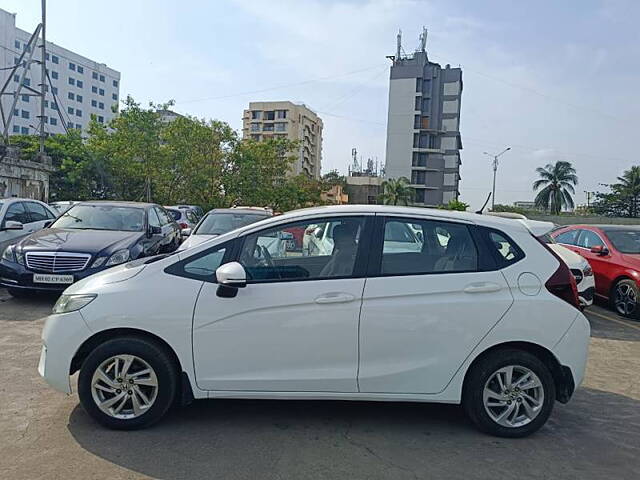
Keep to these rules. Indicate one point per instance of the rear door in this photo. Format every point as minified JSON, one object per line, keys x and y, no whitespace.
{"x":425,"y":309}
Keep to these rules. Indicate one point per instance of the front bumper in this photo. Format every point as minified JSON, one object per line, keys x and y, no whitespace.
{"x":62,"y":336}
{"x":14,"y":275}
{"x":586,"y":291}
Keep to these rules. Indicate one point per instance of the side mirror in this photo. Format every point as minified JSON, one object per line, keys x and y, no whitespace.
{"x":155,"y":230}
{"x":317,"y":232}
{"x":185,"y":232}
{"x":599,"y":250}
{"x":230,"y":276}
{"x":12,"y":225}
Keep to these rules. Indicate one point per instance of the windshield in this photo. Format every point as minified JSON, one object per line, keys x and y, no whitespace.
{"x":219,"y":223}
{"x":625,"y":241}
{"x":102,"y":217}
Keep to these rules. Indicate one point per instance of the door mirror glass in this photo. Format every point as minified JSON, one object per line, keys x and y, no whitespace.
{"x":232,"y":274}
{"x":12,"y":225}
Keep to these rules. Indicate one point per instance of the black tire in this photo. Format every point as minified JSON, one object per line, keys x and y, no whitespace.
{"x":629,"y":287}
{"x":483,"y":370}
{"x":19,"y":292}
{"x":147,"y":350}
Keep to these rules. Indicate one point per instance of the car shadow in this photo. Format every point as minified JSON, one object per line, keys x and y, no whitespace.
{"x":595,"y":436}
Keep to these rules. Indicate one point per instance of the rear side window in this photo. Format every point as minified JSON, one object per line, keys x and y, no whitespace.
{"x":505,"y":250}
{"x":414,"y":247}
{"x":568,"y":238}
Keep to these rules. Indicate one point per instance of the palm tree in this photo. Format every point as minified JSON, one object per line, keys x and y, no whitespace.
{"x":629,"y":187}
{"x":558,"y":181}
{"x":396,"y":192}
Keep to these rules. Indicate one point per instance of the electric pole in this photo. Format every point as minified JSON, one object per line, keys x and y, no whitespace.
{"x":495,"y":170}
{"x":43,"y":78}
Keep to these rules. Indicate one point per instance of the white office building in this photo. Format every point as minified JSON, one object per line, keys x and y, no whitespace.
{"x":82,"y":86}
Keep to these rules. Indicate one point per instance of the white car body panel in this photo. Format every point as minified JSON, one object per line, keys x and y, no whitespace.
{"x":275,"y":340}
{"x":577,"y":262}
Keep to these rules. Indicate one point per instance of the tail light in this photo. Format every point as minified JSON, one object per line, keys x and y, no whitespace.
{"x":562,"y":283}
{"x":183,"y":225}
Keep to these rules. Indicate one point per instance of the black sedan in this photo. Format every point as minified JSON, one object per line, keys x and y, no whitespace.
{"x":87,"y":238}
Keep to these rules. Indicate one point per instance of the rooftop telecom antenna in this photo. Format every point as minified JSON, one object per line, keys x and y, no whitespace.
{"x":422,"y":45}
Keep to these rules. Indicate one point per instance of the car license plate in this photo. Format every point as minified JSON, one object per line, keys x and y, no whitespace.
{"x":48,"y":278}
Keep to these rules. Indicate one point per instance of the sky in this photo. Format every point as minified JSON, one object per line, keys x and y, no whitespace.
{"x":552,"y":80}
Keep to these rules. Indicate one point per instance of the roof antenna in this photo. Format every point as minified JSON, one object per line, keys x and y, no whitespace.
{"x":485,"y":204}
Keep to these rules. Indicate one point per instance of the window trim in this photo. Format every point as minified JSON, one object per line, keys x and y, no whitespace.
{"x":360,"y":265}
{"x":375,"y":255}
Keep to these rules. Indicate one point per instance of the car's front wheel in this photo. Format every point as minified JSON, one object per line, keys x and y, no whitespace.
{"x":127,"y":383}
{"x":509,"y":393}
{"x":625,"y":298}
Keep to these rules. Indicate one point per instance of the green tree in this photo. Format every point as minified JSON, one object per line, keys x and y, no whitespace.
{"x":557,"y":181}
{"x":396,"y":191}
{"x":623,"y":200}
{"x":455,"y":205}
{"x":333,"y":178}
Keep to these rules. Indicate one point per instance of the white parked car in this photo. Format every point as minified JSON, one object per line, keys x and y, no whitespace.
{"x":20,"y":217}
{"x":463,"y":323}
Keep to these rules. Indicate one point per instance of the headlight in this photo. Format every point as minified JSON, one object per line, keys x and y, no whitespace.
{"x":99,"y":261}
{"x":587,"y":271}
{"x":7,"y":254}
{"x":11,"y":254}
{"x":71,"y":303}
{"x":119,"y":257}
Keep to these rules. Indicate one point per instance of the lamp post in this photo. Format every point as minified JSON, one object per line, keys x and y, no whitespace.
{"x":495,"y":169}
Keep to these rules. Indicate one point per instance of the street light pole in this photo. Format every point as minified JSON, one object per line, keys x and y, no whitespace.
{"x":495,"y":170}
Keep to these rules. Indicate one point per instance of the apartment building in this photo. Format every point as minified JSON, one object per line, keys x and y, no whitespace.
{"x":83,"y":87}
{"x":423,"y":130}
{"x":263,"y":120}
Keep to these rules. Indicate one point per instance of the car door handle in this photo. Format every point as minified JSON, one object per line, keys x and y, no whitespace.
{"x":482,"y":287}
{"x":335,"y":298}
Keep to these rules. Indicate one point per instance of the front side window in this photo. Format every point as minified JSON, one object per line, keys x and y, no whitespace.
{"x":37,"y":212}
{"x":414,"y":246}
{"x":589,"y":239}
{"x":154,"y":220}
{"x":16,"y":213}
{"x":102,"y":217}
{"x":307,"y":250}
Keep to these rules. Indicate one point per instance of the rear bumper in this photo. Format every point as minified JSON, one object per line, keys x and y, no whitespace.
{"x":571,"y":351}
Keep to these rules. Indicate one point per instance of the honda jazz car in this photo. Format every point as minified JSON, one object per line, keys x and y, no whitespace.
{"x":488,"y":319}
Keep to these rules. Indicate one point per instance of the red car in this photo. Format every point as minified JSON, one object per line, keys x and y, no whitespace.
{"x":614,"y":254}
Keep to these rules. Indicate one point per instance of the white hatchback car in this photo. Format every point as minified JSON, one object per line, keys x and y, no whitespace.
{"x":465,"y":322}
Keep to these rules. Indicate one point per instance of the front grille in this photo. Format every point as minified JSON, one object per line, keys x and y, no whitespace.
{"x":57,"y":262}
{"x":577,"y":273}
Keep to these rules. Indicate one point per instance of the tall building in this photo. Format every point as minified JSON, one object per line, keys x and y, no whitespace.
{"x":423,"y":129}
{"x":82,"y":86}
{"x":286,"y":119}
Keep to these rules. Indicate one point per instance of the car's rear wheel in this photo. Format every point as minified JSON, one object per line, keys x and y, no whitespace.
{"x":127,"y":383}
{"x":625,"y":297}
{"x":509,"y":393}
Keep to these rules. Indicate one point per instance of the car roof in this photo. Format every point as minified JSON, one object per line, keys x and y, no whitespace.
{"x":20,"y":199}
{"x":604,"y":227}
{"x":116,"y":203}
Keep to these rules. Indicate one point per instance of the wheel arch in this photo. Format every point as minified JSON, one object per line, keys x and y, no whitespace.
{"x":185,"y":389}
{"x":562,"y":376}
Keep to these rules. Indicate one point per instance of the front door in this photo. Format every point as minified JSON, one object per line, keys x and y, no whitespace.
{"x":294,"y":327}
{"x":425,"y":309}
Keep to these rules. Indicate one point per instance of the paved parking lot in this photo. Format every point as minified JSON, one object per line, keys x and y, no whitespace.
{"x":44,"y":434}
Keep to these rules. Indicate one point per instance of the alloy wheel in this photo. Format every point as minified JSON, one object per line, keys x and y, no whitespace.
{"x":513,"y":396}
{"x":124,"y":386}
{"x":625,"y":299}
